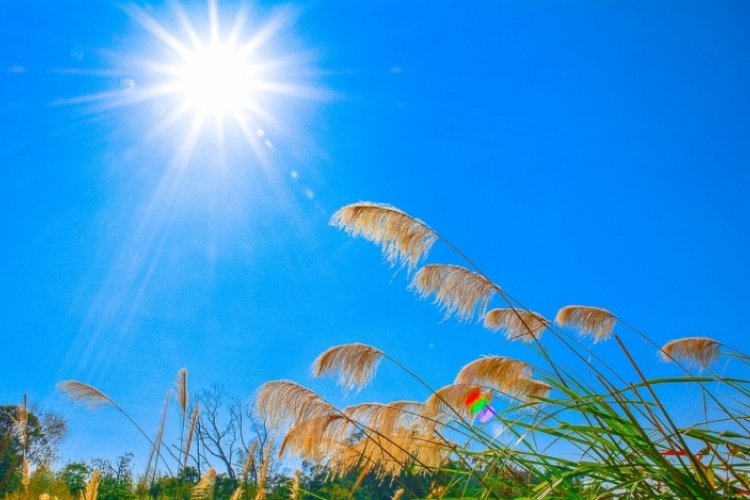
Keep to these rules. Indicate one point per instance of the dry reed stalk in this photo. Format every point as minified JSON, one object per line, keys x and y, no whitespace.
{"x":190,"y":433}
{"x":354,"y":364}
{"x":263,"y":473}
{"x":402,"y":238}
{"x":153,"y":457}
{"x":700,"y":351}
{"x":457,"y":290}
{"x":182,"y":392}
{"x":397,"y":494}
{"x":518,"y":324}
{"x":204,"y":490}
{"x":506,"y":374}
{"x":294,"y":495}
{"x":283,"y":404}
{"x":589,"y":321}
{"x":92,"y":486}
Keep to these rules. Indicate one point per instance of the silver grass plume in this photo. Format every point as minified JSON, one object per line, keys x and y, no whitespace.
{"x":700,"y":351}
{"x":506,"y":374}
{"x":354,"y":364}
{"x":190,"y":433}
{"x":457,"y":290}
{"x":92,"y":486}
{"x":402,"y":238}
{"x":518,"y":324}
{"x":204,"y":490}
{"x":589,"y":321}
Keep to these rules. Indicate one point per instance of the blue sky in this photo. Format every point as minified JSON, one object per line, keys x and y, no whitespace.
{"x":581,"y":153}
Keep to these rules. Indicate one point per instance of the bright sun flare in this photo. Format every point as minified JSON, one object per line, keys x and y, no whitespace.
{"x":228,"y":73}
{"x":217,"y":79}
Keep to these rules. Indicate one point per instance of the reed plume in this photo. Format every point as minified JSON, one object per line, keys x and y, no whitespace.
{"x":294,"y":495}
{"x":387,"y":419}
{"x":153,"y":457}
{"x":190,"y":433}
{"x":92,"y":398}
{"x":397,"y":494}
{"x":700,"y":351}
{"x":457,"y":290}
{"x":204,"y":490}
{"x":535,"y":389}
{"x":87,"y":395}
{"x":451,"y":400}
{"x":354,"y":365}
{"x":589,"y":321}
{"x":316,"y":438}
{"x":283,"y":404}
{"x":506,"y":374}
{"x":263,"y":473}
{"x":518,"y":324}
{"x":182,"y":392}
{"x":92,"y":486}
{"x":402,"y":238}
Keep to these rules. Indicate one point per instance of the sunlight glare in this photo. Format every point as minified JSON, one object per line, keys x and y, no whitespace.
{"x":216,"y":79}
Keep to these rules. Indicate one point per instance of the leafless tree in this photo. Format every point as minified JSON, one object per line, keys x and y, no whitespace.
{"x":227,"y":432}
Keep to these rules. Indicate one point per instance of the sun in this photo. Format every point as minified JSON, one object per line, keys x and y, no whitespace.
{"x":205,"y":71}
{"x":217,"y":80}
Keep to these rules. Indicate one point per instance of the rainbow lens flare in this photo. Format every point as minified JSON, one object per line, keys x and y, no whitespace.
{"x":479,"y":406}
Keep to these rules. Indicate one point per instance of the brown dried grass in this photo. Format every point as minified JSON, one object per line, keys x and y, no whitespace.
{"x":402,"y":238}
{"x":518,"y":324}
{"x":457,"y":290}
{"x":283,"y":404}
{"x":182,"y":391}
{"x":204,"y":490}
{"x":700,"y":351}
{"x":506,"y":374}
{"x":354,"y":365}
{"x":450,"y":400}
{"x":589,"y":321}
{"x":85,"y":394}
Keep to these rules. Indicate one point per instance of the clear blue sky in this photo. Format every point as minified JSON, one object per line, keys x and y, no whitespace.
{"x":580,"y":152}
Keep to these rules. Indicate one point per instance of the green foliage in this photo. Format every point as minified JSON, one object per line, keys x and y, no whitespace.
{"x":44,"y":432}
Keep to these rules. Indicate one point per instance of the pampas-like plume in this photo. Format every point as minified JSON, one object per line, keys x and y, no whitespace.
{"x":397,"y":494}
{"x":204,"y":490}
{"x":284,"y":404}
{"x":451,"y":400}
{"x":387,"y":419}
{"x":534,"y":389}
{"x":457,"y":290}
{"x":589,"y":321}
{"x":182,"y":392}
{"x":506,"y":374}
{"x":191,"y":433}
{"x":263,"y":473}
{"x":354,"y":364}
{"x":92,"y":487}
{"x":403,"y":239}
{"x":295,"y":485}
{"x":89,"y":396}
{"x":518,"y":324}
{"x":315,"y":438}
{"x":156,"y":448}
{"x":701,"y":351}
